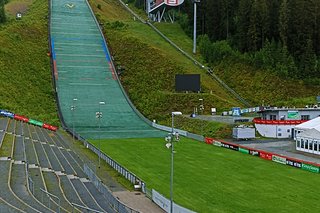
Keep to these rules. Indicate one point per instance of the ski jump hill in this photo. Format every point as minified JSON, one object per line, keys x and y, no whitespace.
{"x":85,"y":78}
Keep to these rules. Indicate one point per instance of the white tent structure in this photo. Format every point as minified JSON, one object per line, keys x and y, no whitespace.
{"x":307,"y":136}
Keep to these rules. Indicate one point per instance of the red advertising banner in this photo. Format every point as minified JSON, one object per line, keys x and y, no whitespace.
{"x":52,"y":128}
{"x":278,"y":122}
{"x":21,"y":118}
{"x":208,"y":140}
{"x":265,"y":155}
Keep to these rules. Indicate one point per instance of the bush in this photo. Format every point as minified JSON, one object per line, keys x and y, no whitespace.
{"x":215,"y":52}
{"x":275,"y":58}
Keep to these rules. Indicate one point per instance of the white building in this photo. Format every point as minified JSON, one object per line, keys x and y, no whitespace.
{"x":307,"y":136}
{"x":280,"y":122}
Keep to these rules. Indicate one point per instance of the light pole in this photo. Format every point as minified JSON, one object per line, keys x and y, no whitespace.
{"x":99,"y":116}
{"x":73,"y":108}
{"x":201,"y":108}
{"x":195,"y":25}
{"x":170,"y":139}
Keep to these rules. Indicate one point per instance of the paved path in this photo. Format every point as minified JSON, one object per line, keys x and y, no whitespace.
{"x":137,"y":201}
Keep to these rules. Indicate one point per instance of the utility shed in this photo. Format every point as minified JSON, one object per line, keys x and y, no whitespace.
{"x":244,"y":132}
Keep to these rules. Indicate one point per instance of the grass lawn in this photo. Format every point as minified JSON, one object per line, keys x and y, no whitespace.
{"x":214,"y":179}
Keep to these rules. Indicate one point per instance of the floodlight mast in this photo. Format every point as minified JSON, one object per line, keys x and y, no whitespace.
{"x":172,"y":152}
{"x":99,"y":116}
{"x":195,"y":25}
{"x":73,"y":108}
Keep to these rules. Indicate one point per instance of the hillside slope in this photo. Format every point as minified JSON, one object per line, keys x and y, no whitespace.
{"x":150,"y":64}
{"x":25,"y":76}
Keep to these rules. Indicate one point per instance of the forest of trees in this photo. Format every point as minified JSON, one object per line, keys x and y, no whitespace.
{"x":2,"y":12}
{"x":280,"y":35}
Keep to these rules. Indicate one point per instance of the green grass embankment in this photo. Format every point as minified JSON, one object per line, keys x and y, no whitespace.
{"x":257,"y":86}
{"x":25,"y":76}
{"x":151,"y":64}
{"x":214,"y":179}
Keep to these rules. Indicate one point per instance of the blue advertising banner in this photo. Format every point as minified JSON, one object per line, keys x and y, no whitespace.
{"x":6,"y":113}
{"x":236,"y":111}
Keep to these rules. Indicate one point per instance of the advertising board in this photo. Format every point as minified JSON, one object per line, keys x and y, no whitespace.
{"x":254,"y":153}
{"x":310,"y":168}
{"x":242,"y":150}
{"x":217,"y":143}
{"x":294,"y":163}
{"x":173,"y":2}
{"x":6,"y":113}
{"x":279,"y":159}
{"x":266,"y":155}
{"x":21,"y":118}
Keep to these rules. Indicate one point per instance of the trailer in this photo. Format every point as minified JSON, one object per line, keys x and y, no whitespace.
{"x":243,"y":132}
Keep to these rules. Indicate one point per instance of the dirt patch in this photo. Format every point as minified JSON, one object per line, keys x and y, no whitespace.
{"x":21,"y":6}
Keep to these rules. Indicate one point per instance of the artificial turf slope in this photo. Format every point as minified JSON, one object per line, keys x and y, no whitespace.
{"x":213,"y":179}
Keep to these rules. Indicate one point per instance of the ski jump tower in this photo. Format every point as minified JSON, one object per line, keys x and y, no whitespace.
{"x":157,"y":9}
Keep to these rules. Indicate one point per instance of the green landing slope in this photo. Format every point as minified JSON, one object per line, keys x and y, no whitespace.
{"x":83,"y":71}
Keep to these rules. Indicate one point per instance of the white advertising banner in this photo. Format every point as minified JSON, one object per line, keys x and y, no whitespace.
{"x":164,"y":203}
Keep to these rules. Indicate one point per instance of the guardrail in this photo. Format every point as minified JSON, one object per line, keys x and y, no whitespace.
{"x":84,"y":207}
{"x":4,"y":133}
{"x":51,"y":196}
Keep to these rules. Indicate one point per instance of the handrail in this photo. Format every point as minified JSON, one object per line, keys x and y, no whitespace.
{"x":84,"y":207}
{"x":52,"y":195}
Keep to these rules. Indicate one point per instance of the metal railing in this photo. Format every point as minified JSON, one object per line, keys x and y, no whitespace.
{"x":115,"y":204}
{"x":50,"y":196}
{"x":84,"y":207}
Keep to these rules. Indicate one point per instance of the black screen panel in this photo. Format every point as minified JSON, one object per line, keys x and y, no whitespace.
{"x":188,"y":82}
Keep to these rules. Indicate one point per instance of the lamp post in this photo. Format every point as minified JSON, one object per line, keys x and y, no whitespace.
{"x":195,"y":25}
{"x":73,"y":108}
{"x":170,"y":140}
{"x":201,"y":108}
{"x":99,"y":116}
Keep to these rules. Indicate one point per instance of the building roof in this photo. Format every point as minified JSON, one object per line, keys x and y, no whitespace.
{"x":312,"y":124}
{"x":310,"y":133}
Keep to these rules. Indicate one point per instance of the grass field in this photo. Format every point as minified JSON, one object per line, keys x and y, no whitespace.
{"x":213,"y":179}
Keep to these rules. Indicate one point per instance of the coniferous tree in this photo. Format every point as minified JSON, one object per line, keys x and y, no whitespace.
{"x":283,"y":22}
{"x":2,"y":12}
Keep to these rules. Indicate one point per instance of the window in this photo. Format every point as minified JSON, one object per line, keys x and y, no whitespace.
{"x":273,"y":117}
{"x":279,"y":129}
{"x":305,"y":117}
{"x":315,"y":146}
{"x":288,"y":130}
{"x":302,"y":143}
{"x":310,"y":145}
{"x":264,"y":117}
{"x":298,"y":143}
{"x":306,"y":144}
{"x":279,"y":134}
